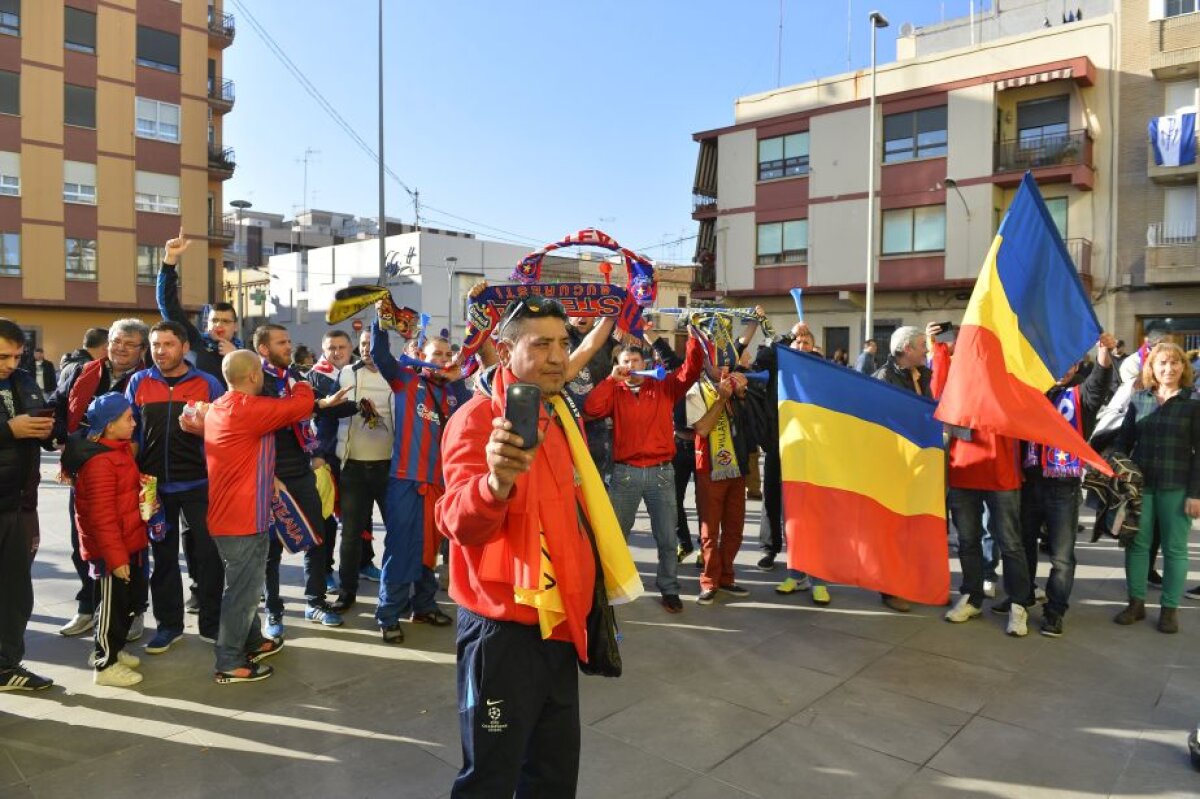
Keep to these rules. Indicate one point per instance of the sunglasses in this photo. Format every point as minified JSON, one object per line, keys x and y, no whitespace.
{"x":532,"y":307}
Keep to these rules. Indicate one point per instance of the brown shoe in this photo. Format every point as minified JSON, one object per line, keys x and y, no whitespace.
{"x":1168,"y":621}
{"x":1134,"y":611}
{"x":896,"y":603}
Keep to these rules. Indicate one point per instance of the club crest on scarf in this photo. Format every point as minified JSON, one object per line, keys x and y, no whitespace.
{"x":640,"y":284}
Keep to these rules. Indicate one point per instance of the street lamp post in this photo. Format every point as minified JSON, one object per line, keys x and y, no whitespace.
{"x":878,"y":21}
{"x":451,"y":263}
{"x":241,"y":206}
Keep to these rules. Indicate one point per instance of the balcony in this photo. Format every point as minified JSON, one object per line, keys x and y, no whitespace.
{"x":1172,"y":253}
{"x":703,"y":205}
{"x":221,"y":229}
{"x":1080,"y":251}
{"x":221,"y":29}
{"x":221,"y":162}
{"x":220,"y":95}
{"x":1169,"y":175}
{"x":1056,"y":158}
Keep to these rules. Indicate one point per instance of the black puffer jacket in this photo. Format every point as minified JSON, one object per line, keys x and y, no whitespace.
{"x":19,"y":457}
{"x":892,"y":373}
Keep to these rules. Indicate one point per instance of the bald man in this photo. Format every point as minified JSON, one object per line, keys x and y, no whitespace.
{"x":239,"y":446}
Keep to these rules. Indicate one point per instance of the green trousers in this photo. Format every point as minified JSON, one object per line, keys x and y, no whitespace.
{"x":1164,"y":508}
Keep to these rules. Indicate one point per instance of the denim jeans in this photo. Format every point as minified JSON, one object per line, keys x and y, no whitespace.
{"x":599,"y":441}
{"x":656,"y":485}
{"x":966,"y":509}
{"x":991,"y":552}
{"x":85,"y":598}
{"x":16,"y":589}
{"x":204,"y":564}
{"x":1055,"y":503}
{"x":244,"y":558}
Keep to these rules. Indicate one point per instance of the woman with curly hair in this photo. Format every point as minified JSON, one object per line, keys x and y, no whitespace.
{"x":1161,"y":433}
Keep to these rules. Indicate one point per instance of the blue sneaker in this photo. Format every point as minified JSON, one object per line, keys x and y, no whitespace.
{"x":163,"y":640}
{"x":274,"y":628}
{"x":324,"y":616}
{"x":370,"y":572}
{"x":331,"y":583}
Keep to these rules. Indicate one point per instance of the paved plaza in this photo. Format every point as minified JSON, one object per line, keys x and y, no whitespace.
{"x":767,"y":696}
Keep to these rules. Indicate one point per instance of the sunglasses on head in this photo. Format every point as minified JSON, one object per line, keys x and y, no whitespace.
{"x":532,"y":307}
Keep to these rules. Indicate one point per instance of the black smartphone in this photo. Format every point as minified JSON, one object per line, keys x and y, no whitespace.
{"x":42,"y":413}
{"x":523,"y":403}
{"x":945,"y":332}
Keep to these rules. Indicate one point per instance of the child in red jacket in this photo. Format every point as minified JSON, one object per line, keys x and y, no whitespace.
{"x":112,"y":534}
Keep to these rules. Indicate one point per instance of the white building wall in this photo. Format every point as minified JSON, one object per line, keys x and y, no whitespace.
{"x":737,"y":169}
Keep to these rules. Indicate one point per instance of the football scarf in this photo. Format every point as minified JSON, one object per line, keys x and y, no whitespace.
{"x":283,"y":388}
{"x":722,"y":456}
{"x":1056,"y":462}
{"x":640,"y":282}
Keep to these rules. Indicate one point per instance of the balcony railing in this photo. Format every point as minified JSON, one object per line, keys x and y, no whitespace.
{"x":1171,"y":234}
{"x":1060,"y":149}
{"x":1080,"y":251}
{"x":703,"y":202}
{"x":220,"y":93}
{"x":221,"y":159}
{"x":221,"y":227}
{"x":221,"y":26}
{"x":704,"y":278}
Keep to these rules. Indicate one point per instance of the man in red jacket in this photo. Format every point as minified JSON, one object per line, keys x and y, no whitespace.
{"x":239,"y":448}
{"x":518,"y":692}
{"x":644,"y":450}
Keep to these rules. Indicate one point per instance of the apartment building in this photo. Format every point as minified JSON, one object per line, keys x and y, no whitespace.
{"x":1158,"y":256}
{"x":110,"y":141}
{"x":965,"y":109}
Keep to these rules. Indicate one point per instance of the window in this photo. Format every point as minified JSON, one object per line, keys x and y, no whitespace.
{"x":1181,"y":97}
{"x":783,"y":242}
{"x":79,"y":105}
{"x":10,"y":93}
{"x":156,"y":192}
{"x":80,"y":31}
{"x":10,"y":174}
{"x":149,"y":256}
{"x":1179,"y":215}
{"x":1174,"y":8}
{"x":157,"y":49}
{"x":79,"y":182}
{"x":914,"y":134}
{"x":157,"y":120}
{"x":10,"y":253}
{"x":81,"y":259}
{"x":909,"y":230}
{"x":1043,"y":122}
{"x":783,"y":156}
{"x":1057,"y":206}
{"x":10,"y":17}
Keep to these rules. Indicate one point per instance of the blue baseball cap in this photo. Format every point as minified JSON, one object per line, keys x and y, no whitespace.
{"x":104,"y":410}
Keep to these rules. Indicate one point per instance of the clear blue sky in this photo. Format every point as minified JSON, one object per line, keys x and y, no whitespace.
{"x":537,"y":118}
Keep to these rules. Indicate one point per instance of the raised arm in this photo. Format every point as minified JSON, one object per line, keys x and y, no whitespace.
{"x":590,"y":345}
{"x":167,"y":289}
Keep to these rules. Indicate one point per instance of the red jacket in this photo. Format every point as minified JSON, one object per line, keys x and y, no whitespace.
{"x":643,"y":425}
{"x":239,"y":448}
{"x":486,"y":534}
{"x":107,"y":485}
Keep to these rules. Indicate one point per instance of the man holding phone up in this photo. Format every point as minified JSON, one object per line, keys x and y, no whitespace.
{"x":520,"y":517}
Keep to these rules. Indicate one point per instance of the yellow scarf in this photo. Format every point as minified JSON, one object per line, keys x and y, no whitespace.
{"x":722,"y":456}
{"x":621,"y":579}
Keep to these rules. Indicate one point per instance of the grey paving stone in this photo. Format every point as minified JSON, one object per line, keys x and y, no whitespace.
{"x":640,"y":773}
{"x":793,"y":761}
{"x":953,"y":683}
{"x":687,"y":726}
{"x":828,"y":651}
{"x":766,"y":681}
{"x":981,"y":641}
{"x":707,"y":788}
{"x":886,"y":722}
{"x":1035,"y":761}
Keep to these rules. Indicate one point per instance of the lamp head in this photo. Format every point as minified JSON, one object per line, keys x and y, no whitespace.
{"x":950,"y":183}
{"x":878,"y":19}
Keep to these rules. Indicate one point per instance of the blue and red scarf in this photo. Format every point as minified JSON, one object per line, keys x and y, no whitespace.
{"x":1056,"y":462}
{"x":284,"y":382}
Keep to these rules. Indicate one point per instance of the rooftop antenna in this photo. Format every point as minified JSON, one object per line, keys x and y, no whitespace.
{"x":308,"y":154}
{"x":779,"y":50}
{"x":849,"y":33}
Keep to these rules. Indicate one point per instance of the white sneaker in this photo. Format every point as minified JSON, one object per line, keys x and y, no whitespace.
{"x":117,"y":676}
{"x":79,"y":624}
{"x":124,"y":658}
{"x":1017,"y":621}
{"x":989,"y":589}
{"x":962,"y":611}
{"x":136,"y":628}
{"x":1039,"y":595}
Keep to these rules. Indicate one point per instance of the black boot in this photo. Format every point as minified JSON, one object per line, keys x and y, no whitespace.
{"x":1168,"y":621}
{"x":1134,"y":611}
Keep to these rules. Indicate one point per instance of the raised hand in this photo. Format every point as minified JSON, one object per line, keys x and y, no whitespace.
{"x":175,"y":247}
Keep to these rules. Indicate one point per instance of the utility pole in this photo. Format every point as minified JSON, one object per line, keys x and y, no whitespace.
{"x":416,"y":198}
{"x":382,"y":217}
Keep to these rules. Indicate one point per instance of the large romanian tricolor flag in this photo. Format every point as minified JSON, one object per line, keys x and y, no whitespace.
{"x":1028,"y":322}
{"x":864,"y":480}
